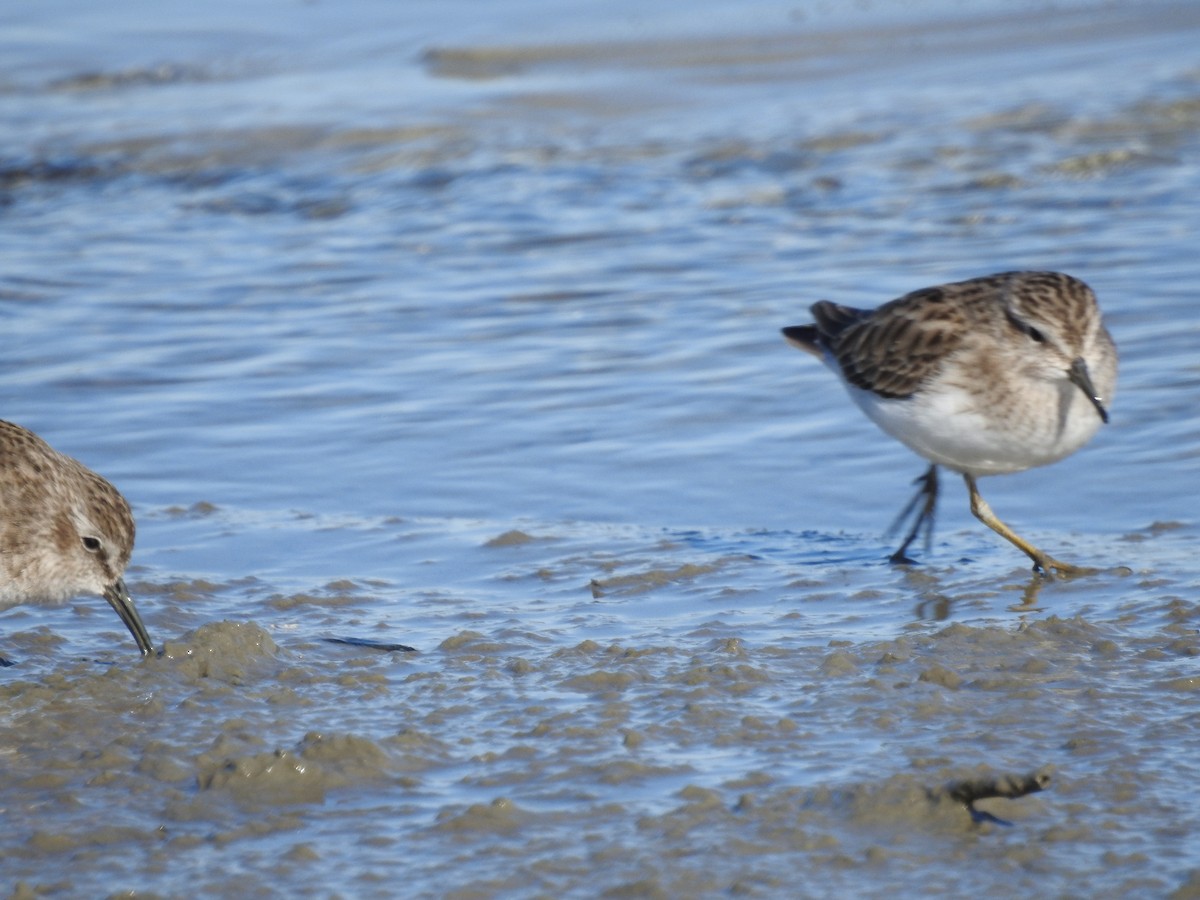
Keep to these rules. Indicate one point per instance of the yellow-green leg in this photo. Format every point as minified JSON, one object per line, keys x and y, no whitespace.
{"x":1041,"y":561}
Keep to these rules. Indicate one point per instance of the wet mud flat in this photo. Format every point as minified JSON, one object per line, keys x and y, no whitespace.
{"x":731,"y":749}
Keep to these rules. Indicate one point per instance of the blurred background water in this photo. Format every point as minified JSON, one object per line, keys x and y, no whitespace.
{"x":415,"y":321}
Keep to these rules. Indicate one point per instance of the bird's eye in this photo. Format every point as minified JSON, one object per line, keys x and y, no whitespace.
{"x":91,"y":544}
{"x":1024,"y":327}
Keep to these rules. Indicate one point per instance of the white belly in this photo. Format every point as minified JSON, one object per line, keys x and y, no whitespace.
{"x":952,"y":428}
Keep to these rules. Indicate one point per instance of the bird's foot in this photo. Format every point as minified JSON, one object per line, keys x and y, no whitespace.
{"x":1049,"y":568}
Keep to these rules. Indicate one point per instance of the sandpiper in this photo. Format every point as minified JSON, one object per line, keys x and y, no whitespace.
{"x":988,"y":376}
{"x":64,"y":530}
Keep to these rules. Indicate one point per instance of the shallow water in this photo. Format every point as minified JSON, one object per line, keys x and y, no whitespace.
{"x":454,"y":329}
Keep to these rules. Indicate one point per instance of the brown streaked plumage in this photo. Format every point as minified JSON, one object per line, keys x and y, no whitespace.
{"x":64,"y":530}
{"x":986,"y":376}
{"x":891,"y":354}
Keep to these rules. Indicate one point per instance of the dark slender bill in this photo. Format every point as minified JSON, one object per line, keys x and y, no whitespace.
{"x":118,"y":598}
{"x":1082,"y":379}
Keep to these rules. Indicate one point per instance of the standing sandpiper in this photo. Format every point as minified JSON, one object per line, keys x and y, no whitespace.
{"x":988,"y":376}
{"x":64,"y":530}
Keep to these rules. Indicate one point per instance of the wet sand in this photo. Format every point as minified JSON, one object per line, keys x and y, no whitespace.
{"x":464,"y":337}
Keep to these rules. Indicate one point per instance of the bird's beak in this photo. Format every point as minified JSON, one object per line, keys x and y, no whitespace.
{"x":1078,"y":375}
{"x":118,"y":598}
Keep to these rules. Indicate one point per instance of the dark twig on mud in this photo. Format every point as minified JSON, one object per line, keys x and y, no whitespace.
{"x":370,"y":644}
{"x":969,"y":791}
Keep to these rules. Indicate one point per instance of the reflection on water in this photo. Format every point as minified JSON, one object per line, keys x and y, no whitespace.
{"x":463,"y":335}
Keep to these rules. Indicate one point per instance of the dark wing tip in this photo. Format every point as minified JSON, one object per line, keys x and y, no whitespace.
{"x":806,"y":337}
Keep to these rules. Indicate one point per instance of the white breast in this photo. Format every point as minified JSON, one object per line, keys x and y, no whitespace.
{"x":950,"y":427}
